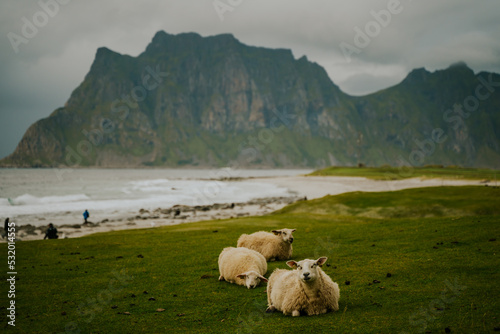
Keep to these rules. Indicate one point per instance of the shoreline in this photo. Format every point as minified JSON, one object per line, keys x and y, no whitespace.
{"x":299,"y":188}
{"x":177,"y":214}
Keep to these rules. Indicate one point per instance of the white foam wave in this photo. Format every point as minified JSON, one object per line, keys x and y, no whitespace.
{"x":28,"y":199}
{"x":131,"y":196}
{"x":148,"y":186}
{"x":148,"y":183}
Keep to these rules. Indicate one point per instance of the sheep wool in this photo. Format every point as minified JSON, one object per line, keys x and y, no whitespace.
{"x":306,"y":289}
{"x":242,"y":266}
{"x":275,"y":246}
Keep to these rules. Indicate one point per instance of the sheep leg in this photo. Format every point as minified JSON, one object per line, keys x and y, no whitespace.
{"x":221,"y":278}
{"x":271,"y":309}
{"x":295,"y":313}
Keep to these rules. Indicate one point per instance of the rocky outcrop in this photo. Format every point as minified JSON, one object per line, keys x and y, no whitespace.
{"x":213,"y":101}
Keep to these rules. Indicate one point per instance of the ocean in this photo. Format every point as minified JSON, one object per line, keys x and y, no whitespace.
{"x":39,"y":196}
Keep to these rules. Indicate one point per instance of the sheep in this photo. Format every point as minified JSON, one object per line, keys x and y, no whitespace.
{"x":242,"y":266}
{"x":306,"y":289}
{"x":274,"y":246}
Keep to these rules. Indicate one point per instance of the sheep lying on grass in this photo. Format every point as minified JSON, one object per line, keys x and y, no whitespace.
{"x":242,"y":266}
{"x":307,"y":289}
{"x":274,"y":246}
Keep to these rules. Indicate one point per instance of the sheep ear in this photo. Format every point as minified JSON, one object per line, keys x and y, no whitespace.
{"x":321,"y":261}
{"x":243,"y":276}
{"x":276,"y":232}
{"x":294,"y":230}
{"x":292,"y":264}
{"x":262,"y":278}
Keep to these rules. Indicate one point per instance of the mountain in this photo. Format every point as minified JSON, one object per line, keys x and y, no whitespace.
{"x":449,"y":117}
{"x":199,"y":101}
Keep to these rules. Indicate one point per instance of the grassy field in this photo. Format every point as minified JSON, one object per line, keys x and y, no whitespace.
{"x":439,"y":245}
{"x":395,"y":173}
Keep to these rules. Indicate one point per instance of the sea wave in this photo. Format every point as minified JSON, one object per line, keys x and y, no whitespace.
{"x":145,"y":186}
{"x":131,"y":196}
{"x":28,"y":199}
{"x":39,"y":196}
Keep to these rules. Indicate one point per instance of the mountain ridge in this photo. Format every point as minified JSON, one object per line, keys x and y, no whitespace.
{"x":189,"y":100}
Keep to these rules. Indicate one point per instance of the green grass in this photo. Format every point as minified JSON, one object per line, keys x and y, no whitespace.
{"x":444,"y":271}
{"x":409,"y":203}
{"x":398,"y":173}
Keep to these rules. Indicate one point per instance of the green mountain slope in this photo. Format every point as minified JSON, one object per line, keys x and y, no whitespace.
{"x":213,"y":101}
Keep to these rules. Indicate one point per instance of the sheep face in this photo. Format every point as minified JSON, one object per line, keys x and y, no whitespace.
{"x":286,"y":234}
{"x":307,"y":270}
{"x":252,"y":279}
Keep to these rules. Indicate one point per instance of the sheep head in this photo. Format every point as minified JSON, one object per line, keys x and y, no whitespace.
{"x":285,"y":234}
{"x":252,"y":279}
{"x":307,"y":270}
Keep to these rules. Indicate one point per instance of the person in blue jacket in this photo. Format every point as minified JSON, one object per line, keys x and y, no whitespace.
{"x":86,"y":215}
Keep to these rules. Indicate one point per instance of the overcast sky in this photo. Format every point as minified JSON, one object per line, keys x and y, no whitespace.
{"x":364,"y":45}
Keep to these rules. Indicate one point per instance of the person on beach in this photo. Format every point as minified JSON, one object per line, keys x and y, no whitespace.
{"x":86,"y":215}
{"x":51,"y":232}
{"x":5,"y":227}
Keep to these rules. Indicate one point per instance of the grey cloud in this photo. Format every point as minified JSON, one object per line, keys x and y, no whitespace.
{"x":431,"y":34}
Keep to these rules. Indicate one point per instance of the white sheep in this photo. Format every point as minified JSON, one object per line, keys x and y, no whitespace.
{"x":306,"y":289}
{"x":242,"y":266}
{"x":274,"y":246}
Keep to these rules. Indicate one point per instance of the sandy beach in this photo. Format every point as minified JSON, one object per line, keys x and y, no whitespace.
{"x":300,"y":188}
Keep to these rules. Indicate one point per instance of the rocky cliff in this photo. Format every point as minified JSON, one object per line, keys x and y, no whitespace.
{"x":213,"y":101}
